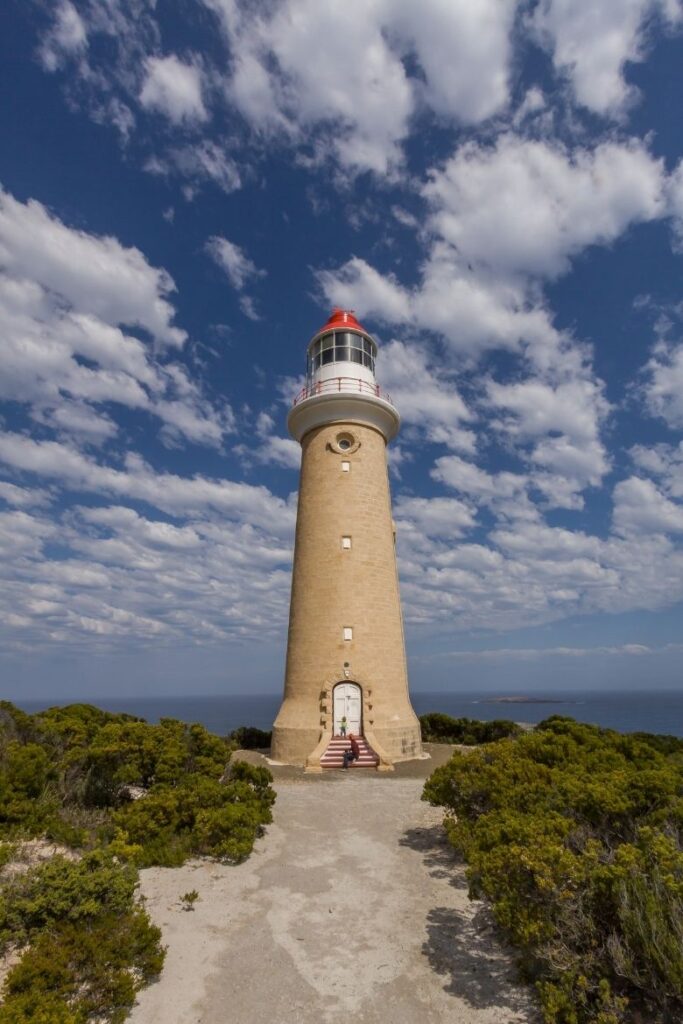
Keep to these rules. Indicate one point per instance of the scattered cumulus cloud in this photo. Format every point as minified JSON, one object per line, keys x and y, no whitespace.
{"x":504,"y":414}
{"x":66,"y":37}
{"x":174,"y":89}
{"x":592,"y":43}
{"x":234,"y":261}
{"x":70,"y":303}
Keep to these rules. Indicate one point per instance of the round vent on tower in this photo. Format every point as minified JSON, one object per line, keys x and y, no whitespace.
{"x":345,"y":443}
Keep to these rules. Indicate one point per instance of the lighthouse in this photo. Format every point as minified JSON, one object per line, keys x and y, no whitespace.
{"x":346,"y":663}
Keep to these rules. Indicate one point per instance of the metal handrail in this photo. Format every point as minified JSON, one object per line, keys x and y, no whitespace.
{"x":345,"y":384}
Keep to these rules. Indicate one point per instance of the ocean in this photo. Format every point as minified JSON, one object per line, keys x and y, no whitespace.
{"x":626,"y":711}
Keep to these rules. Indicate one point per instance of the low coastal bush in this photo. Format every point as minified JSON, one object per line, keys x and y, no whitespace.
{"x":249,"y":738}
{"x":157,"y":793}
{"x":89,"y":945}
{"x":440,"y":728}
{"x":573,"y":833}
{"x":123,"y":794}
{"x":199,"y":816}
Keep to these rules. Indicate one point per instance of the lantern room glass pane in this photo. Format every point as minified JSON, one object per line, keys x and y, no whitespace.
{"x":356,"y":356}
{"x":327,"y":341}
{"x":341,"y":355}
{"x":356,"y":341}
{"x":328,"y":356}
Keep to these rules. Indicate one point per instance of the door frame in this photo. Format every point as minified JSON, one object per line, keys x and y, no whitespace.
{"x":348,"y":682}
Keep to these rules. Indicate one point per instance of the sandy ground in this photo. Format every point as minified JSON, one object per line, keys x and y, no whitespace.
{"x":352,"y":908}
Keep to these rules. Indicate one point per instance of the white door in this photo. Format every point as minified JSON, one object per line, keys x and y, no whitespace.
{"x":347,"y":702}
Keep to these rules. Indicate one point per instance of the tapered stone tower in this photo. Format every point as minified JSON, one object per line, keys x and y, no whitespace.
{"x":345,"y":648}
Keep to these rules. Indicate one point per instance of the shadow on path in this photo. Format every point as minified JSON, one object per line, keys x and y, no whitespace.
{"x":463,"y":944}
{"x":438,"y":855}
{"x":466,"y":950}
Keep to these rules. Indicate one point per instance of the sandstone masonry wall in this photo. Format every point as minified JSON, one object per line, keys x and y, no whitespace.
{"x":333,"y":588}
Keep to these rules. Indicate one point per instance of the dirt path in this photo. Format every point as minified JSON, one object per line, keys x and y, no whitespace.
{"x":351,"y":909}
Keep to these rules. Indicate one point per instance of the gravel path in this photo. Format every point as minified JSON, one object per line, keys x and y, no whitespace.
{"x":351,"y":909}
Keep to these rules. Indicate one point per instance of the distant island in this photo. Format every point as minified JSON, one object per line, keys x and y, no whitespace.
{"x":524,"y":700}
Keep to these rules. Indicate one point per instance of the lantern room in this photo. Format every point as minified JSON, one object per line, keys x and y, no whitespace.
{"x":341,"y":349}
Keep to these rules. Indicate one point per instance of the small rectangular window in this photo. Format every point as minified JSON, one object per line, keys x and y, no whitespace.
{"x":348,"y":632}
{"x":346,"y":543}
{"x":346,"y":466}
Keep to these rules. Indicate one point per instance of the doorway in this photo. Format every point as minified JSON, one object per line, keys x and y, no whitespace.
{"x":348,"y":702}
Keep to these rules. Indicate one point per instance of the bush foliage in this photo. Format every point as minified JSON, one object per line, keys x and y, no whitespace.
{"x":249,"y":738}
{"x":440,"y":728}
{"x":125,"y":794}
{"x":574,"y":835}
{"x":90,"y":946}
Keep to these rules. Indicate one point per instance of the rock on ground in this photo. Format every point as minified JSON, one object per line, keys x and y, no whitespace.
{"x":352,"y":908}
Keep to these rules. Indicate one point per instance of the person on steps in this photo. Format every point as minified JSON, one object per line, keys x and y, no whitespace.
{"x":354,"y":753}
{"x":342,"y":726}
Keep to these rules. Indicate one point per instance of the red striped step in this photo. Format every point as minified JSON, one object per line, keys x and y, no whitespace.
{"x":334,"y":755}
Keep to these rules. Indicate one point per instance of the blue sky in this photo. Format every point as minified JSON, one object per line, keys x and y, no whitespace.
{"x":495,"y":187}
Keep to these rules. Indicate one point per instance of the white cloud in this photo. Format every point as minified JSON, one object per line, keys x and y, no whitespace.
{"x":66,"y":37}
{"x":202,"y":162}
{"x":63,"y":352}
{"x":279,"y":451}
{"x":500,"y":218}
{"x":592,"y":43}
{"x":287,"y":80}
{"x":234,"y":261}
{"x":640,"y":507}
{"x":663,"y":388}
{"x":526,"y":573}
{"x":126,"y":579}
{"x":464,"y":51}
{"x":98,"y":275}
{"x":428,"y":401}
{"x":169,"y":492}
{"x":675,"y":197}
{"x":526,"y":207}
{"x":24,"y":497}
{"x":507,"y":654}
{"x":435,"y":517}
{"x":663,"y":461}
{"x":174,"y":89}
{"x":481,"y":486}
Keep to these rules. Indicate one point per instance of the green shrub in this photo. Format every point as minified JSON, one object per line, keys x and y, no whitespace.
{"x":247,"y":737}
{"x":573,"y":834}
{"x":90,"y":946}
{"x":201,"y":816}
{"x":88,"y":970}
{"x":66,"y":774}
{"x":63,"y":890}
{"x":440,"y":728}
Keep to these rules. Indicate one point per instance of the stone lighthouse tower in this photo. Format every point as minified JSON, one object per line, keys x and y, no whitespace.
{"x":345,"y":649}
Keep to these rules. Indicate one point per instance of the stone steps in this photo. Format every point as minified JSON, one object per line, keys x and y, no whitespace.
{"x":334,"y":755}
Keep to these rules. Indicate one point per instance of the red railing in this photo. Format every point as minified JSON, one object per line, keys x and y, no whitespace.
{"x":345,"y":384}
